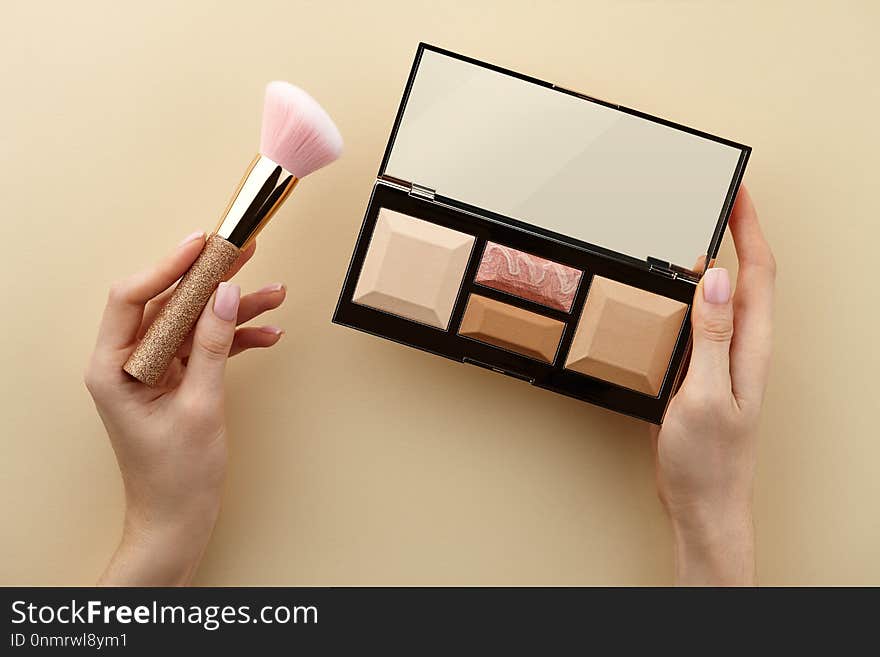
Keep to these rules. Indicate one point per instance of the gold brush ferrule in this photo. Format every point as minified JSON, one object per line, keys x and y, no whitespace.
{"x":260,"y":193}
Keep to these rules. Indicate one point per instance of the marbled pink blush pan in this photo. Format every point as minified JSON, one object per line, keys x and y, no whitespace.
{"x":528,"y":276}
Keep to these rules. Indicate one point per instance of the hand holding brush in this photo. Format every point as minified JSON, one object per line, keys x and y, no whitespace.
{"x":297,"y":138}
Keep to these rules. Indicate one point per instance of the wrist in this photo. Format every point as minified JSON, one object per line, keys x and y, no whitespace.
{"x":715,"y":549}
{"x":159,"y":552}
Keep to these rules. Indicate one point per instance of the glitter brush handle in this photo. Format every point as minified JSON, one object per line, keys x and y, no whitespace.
{"x":260,"y":193}
{"x":172,"y":325}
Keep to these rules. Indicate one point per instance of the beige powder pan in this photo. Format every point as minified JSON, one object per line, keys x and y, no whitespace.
{"x":626,"y":335}
{"x":413,"y":268}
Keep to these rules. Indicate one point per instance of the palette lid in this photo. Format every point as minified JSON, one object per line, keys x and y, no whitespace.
{"x":562,"y":164}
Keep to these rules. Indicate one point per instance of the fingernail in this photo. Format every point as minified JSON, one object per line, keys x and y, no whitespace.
{"x":274,"y":287}
{"x":274,"y":330}
{"x":716,"y":286}
{"x":192,"y":237}
{"x":226,"y":301}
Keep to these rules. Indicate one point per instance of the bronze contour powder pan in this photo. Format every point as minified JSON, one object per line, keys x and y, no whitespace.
{"x":540,"y":233}
{"x":509,"y":327}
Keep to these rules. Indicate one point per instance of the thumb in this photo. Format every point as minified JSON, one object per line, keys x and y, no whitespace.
{"x":212,"y":340}
{"x":712,"y":319}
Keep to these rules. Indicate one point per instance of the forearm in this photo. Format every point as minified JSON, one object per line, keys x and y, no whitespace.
{"x":719,"y":552}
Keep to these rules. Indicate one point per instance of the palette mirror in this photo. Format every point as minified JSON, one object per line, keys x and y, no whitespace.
{"x":585,"y":170}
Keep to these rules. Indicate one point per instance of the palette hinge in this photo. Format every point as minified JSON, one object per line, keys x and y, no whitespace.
{"x":664,"y":271}
{"x":421,"y":191}
{"x":669,"y":270}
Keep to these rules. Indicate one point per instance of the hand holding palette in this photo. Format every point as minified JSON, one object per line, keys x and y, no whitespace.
{"x":540,"y":233}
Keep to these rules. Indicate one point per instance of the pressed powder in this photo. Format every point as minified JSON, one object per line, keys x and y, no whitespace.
{"x":512,"y":328}
{"x":413,"y":268}
{"x":626,"y":335}
{"x":528,"y":276}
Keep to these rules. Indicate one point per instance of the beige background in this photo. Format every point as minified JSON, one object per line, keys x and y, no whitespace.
{"x":353,"y":460}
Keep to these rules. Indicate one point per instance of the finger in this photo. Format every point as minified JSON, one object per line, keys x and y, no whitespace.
{"x":251,"y":305}
{"x":251,"y":337}
{"x":154,"y":306}
{"x":712,"y":318}
{"x":126,"y":301}
{"x":212,"y":340}
{"x":246,"y":255}
{"x":700,"y":265}
{"x":264,"y":299}
{"x":753,"y":302}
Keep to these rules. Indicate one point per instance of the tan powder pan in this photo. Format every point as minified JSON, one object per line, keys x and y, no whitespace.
{"x":626,"y":335}
{"x":413,"y":269}
{"x":511,"y":328}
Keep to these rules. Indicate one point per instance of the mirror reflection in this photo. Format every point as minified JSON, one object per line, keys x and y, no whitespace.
{"x":565,"y":164}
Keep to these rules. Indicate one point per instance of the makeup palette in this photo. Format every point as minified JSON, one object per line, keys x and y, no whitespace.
{"x":540,"y":233}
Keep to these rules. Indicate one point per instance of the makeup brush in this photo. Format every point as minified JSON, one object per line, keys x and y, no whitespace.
{"x":297,"y":138}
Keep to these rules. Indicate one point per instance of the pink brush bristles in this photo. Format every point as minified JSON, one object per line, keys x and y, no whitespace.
{"x":297,"y":133}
